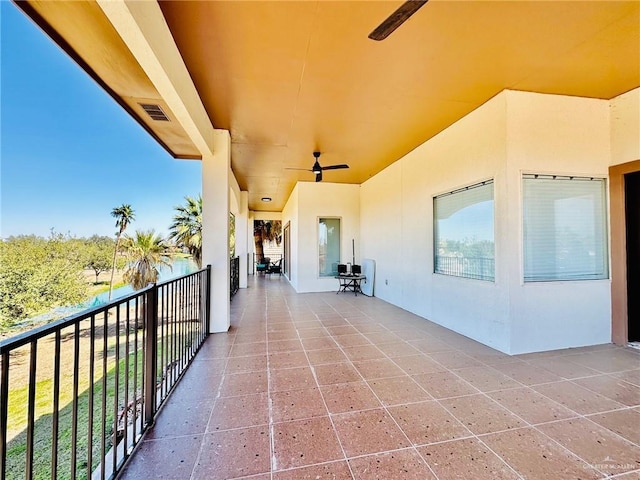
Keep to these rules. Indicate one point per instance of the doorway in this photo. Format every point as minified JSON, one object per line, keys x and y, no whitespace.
{"x":632,"y":220}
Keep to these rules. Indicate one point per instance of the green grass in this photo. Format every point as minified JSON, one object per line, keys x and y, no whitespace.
{"x":101,"y":287}
{"x":16,"y":449}
{"x":17,"y":415}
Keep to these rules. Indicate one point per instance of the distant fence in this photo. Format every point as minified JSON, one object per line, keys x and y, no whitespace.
{"x":77,"y":394}
{"x":480,"y":268}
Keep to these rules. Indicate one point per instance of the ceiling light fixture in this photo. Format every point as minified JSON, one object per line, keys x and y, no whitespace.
{"x":266,"y":199}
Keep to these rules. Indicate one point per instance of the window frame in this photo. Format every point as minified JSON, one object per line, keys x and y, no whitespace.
{"x":318,"y":219}
{"x":606,"y":263}
{"x":470,"y":276}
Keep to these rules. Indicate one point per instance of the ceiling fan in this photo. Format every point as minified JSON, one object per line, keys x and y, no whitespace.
{"x":396,"y":19}
{"x":317,"y":168}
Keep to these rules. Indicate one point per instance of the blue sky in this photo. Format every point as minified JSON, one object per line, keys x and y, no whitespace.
{"x":69,"y":153}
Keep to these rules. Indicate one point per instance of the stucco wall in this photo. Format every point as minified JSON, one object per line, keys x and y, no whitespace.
{"x":391,"y":219}
{"x":397,"y":226}
{"x":381,"y":229}
{"x":625,"y":127}
{"x":290,"y":216}
{"x":308,"y":202}
{"x":514,"y":132}
{"x":565,"y":136}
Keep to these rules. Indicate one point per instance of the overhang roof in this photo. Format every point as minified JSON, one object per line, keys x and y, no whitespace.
{"x":287,"y":78}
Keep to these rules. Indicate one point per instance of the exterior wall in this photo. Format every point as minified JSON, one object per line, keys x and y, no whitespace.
{"x":567,"y":136}
{"x":290,"y":215}
{"x":625,"y":128}
{"x":513,"y":133}
{"x":392,"y":213}
{"x":397,"y":226}
{"x":308,"y":202}
{"x":381,"y":230}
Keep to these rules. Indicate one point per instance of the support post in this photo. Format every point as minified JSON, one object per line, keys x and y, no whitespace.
{"x":150,"y":353}
{"x":216,"y":170}
{"x":242,"y":237}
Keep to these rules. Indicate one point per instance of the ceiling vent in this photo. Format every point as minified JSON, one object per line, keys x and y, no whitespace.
{"x":155,"y":112}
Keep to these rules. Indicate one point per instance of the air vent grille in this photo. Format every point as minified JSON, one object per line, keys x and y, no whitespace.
{"x":155,"y":112}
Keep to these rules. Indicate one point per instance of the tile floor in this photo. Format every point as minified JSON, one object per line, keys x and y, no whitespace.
{"x":326,"y":386}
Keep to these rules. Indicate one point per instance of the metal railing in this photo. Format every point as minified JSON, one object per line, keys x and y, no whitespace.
{"x":235,"y":275}
{"x":479,"y":268}
{"x":77,"y":394}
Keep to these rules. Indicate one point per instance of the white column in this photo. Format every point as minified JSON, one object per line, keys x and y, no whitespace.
{"x":242,"y":237}
{"x":215,"y":227}
{"x":251,"y":246}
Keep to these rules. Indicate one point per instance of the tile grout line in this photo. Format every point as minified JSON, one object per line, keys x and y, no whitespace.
{"x":517,"y":416}
{"x":315,"y":377}
{"x":273,"y":461}
{"x":448,"y":369}
{"x":527,"y":424}
{"x":384,"y":407}
{"x":215,"y":402}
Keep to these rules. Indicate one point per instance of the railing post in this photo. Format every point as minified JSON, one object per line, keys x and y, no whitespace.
{"x":4,"y":394}
{"x":208,"y":301}
{"x":151,"y":353}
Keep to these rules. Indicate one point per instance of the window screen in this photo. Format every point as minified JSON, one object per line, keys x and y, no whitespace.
{"x":564,"y":226}
{"x":463,"y":230}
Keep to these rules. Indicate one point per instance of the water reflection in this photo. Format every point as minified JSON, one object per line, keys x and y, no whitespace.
{"x":179,"y":267}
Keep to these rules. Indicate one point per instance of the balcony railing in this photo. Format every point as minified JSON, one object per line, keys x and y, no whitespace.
{"x":479,"y":268}
{"x":77,"y":394}
{"x":235,"y":275}
{"x":258,"y":262}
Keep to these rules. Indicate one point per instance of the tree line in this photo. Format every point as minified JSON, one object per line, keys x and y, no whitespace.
{"x":38,"y":274}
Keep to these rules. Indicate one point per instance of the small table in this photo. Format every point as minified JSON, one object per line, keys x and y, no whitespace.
{"x":350,"y":283}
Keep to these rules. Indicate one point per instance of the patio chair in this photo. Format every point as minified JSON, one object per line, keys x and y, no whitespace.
{"x":276,"y":267}
{"x":263,"y":266}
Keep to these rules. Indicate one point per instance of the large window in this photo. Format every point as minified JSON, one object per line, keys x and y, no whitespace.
{"x":565,"y":234}
{"x":463,"y":232}
{"x":329,"y":246}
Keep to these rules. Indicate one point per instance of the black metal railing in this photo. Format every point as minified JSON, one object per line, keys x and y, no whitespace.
{"x":479,"y":268}
{"x":235,"y":275}
{"x":77,"y":394}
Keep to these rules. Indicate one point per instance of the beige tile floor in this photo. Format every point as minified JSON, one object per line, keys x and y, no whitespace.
{"x":327,"y":386}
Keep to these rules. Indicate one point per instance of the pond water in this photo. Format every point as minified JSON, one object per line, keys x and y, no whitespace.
{"x":179,"y":267}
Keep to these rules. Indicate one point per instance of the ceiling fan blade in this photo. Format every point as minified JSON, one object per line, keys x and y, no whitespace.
{"x":335,"y":167}
{"x":396,"y":19}
{"x":319,"y":176}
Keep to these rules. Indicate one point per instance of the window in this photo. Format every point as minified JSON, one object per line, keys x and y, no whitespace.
{"x":463,"y":232}
{"x":329,"y":246}
{"x":564,"y":226}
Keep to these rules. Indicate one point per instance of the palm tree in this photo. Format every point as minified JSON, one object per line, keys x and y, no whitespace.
{"x":268,"y":230}
{"x":124,"y":215}
{"x":186,"y":228}
{"x":146,"y":251}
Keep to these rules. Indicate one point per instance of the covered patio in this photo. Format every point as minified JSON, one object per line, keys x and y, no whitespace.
{"x":321,"y":385}
{"x":520,"y":103}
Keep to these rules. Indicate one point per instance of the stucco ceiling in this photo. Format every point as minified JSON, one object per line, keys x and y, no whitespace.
{"x":287,"y":78}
